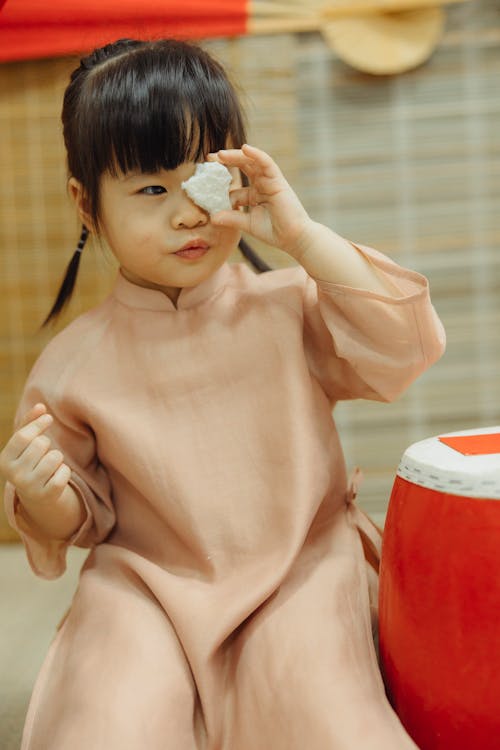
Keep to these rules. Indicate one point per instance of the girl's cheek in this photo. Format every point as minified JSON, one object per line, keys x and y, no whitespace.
{"x":143,"y":239}
{"x":222,"y":234}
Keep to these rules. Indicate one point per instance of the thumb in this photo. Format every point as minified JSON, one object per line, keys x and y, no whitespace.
{"x":232,"y":220}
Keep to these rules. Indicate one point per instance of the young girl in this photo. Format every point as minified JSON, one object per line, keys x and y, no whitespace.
{"x":182,"y":431}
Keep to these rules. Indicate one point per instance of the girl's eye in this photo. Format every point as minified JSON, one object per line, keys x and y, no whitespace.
{"x":153,"y":190}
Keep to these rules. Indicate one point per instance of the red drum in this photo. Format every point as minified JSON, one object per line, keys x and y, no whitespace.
{"x":440,"y":592}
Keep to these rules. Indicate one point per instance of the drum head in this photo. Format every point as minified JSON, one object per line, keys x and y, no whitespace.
{"x":440,"y":463}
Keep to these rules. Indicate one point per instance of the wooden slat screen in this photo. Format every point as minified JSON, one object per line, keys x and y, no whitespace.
{"x":410,"y":164}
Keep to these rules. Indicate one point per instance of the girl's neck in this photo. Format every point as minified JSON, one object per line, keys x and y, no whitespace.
{"x":172,"y":292}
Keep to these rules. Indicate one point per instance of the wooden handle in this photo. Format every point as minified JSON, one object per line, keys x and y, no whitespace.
{"x":264,"y":8}
{"x":344,"y":9}
{"x":283,"y":25}
{"x":268,"y":17}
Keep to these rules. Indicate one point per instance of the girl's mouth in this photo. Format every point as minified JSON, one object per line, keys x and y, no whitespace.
{"x":193,"y":250}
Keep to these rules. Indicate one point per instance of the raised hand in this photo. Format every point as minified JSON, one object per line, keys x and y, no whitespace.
{"x":274,"y":213}
{"x":40,"y":476}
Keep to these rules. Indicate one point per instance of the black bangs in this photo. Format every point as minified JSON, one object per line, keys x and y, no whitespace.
{"x":153,"y":108}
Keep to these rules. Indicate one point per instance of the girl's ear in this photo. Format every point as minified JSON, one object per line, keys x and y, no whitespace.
{"x":77,"y":193}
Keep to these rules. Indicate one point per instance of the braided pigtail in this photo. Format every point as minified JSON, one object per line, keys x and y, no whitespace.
{"x":74,"y":102}
{"x":68,"y":282}
{"x":250,"y":254}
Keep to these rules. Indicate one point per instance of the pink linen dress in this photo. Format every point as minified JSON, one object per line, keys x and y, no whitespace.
{"x":226,"y":601}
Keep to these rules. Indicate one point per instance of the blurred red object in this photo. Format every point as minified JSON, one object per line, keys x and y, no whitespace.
{"x":440,"y":596}
{"x":32,"y":29}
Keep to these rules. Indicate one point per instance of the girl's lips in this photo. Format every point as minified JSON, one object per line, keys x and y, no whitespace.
{"x":191,"y":253}
{"x":193,"y":250}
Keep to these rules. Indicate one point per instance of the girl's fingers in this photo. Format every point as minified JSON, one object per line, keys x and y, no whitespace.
{"x":59,"y":478}
{"x":47,"y":481}
{"x":28,"y":460}
{"x":34,"y":453}
{"x":240,"y":197}
{"x":48,"y":465}
{"x":23,"y":437}
{"x":233,"y":219}
{"x":36,"y":411}
{"x":22,"y":472}
{"x":235,"y":157}
{"x":250,"y":160}
{"x":260,"y":156}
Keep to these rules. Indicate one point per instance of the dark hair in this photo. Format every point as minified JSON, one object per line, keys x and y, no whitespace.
{"x":146,"y":106}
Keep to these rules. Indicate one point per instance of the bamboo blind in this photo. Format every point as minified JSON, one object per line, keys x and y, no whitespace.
{"x":409,"y":164}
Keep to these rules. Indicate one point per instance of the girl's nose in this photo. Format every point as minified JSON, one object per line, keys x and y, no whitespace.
{"x":187,"y":215}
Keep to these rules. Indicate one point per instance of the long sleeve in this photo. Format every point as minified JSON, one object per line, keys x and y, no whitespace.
{"x":74,"y":438}
{"x":365,"y":345}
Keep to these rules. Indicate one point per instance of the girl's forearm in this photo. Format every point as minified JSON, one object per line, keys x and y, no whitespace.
{"x":57,"y":520}
{"x":327,"y":256}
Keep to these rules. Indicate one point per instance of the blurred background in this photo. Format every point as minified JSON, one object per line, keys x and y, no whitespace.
{"x":407,"y":163}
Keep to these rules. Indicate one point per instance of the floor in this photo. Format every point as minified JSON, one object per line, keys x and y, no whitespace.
{"x":31,"y":610}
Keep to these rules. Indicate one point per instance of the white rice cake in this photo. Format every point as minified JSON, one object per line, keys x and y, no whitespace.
{"x":209,"y":187}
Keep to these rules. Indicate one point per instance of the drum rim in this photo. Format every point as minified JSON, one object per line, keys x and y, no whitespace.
{"x":473,"y":479}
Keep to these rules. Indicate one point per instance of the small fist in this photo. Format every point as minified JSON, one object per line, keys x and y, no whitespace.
{"x":29,"y":462}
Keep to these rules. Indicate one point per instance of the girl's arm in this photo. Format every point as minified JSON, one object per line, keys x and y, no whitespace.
{"x":276,"y":216}
{"x":41,"y":478}
{"x":58,"y":494}
{"x":328,"y":257}
{"x":369,"y":326}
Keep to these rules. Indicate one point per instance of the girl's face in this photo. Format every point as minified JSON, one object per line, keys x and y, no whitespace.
{"x":148,"y":218}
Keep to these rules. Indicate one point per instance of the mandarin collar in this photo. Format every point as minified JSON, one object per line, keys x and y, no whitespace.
{"x":143,"y":298}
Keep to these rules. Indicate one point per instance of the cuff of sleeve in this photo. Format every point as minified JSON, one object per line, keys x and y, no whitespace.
{"x":408,"y":285}
{"x":47,"y":557}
